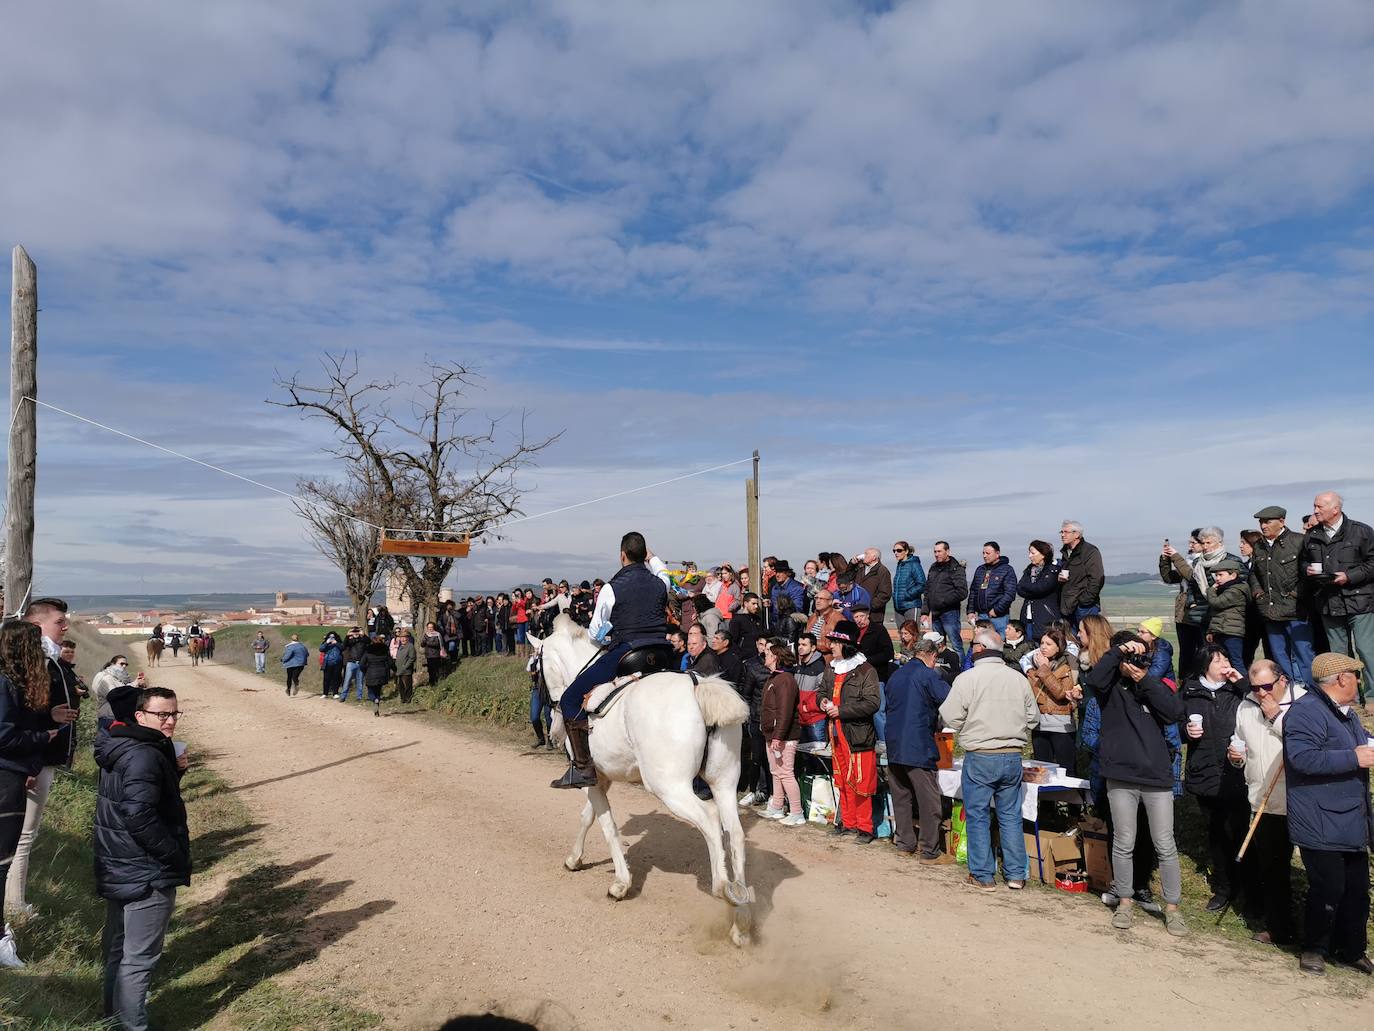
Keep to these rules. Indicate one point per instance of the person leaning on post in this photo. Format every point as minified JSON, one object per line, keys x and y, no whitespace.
{"x":1327,"y":755}
{"x":1257,"y":747}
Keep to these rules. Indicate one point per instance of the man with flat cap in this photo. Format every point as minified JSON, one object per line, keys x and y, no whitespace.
{"x":1327,"y":755}
{"x":1280,"y":597}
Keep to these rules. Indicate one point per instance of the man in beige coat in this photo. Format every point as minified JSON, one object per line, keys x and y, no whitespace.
{"x":1258,"y":746}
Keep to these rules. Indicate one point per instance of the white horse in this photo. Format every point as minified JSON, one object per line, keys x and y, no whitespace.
{"x":661,"y":731}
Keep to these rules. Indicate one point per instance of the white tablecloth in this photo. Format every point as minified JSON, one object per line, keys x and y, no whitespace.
{"x":951,"y":787}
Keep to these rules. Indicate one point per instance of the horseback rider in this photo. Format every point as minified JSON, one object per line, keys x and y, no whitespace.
{"x":194,"y":629}
{"x":631,"y":611}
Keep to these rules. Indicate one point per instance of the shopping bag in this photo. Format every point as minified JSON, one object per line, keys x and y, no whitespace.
{"x":821,"y":806}
{"x":958,"y":833}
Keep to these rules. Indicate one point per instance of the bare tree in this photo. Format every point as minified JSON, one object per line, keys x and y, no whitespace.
{"x":344,"y":529}
{"x":436,"y":470}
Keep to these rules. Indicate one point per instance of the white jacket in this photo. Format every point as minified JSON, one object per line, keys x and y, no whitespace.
{"x":1264,"y":750}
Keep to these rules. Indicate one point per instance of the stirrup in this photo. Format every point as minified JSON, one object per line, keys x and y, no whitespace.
{"x":574,"y":778}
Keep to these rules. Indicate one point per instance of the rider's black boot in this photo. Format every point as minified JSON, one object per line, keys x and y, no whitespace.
{"x":581,"y":774}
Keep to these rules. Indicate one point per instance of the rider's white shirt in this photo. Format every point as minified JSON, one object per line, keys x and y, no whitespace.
{"x":605,"y":601}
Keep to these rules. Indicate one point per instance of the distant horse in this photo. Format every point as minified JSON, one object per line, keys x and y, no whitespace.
{"x":195,"y":647}
{"x":662,"y":730}
{"x":155,"y":647}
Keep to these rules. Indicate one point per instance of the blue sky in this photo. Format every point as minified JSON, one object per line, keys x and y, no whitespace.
{"x":957,"y":269}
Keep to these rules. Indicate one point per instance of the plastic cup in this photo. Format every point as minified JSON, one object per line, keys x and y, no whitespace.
{"x":1195,"y":721}
{"x":1237,"y":744}
{"x":179,"y":747}
{"x":1314,"y":567}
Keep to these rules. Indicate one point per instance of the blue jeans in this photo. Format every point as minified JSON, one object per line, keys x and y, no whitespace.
{"x":259,"y":662}
{"x":353,"y":672}
{"x":999,"y":623}
{"x":994,"y":781}
{"x":1084,"y":610}
{"x":601,"y":671}
{"x":1290,"y":643}
{"x":880,"y":717}
{"x":541,"y":715}
{"x":1233,"y":647}
{"x":947,"y":622}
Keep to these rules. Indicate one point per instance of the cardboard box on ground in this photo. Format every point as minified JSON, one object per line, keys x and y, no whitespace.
{"x":1097,"y":853}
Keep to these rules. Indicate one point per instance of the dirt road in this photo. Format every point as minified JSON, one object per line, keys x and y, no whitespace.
{"x":444,"y":850}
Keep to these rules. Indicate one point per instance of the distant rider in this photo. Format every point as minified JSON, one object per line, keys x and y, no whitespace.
{"x":631,"y":610}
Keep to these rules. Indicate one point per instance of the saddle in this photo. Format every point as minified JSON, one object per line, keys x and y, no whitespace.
{"x":637,"y":663}
{"x":648,"y":659}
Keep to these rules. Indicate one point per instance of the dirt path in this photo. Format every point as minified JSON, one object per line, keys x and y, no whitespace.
{"x":442,"y":853}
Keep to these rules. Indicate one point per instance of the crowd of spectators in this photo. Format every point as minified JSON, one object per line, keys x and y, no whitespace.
{"x":1028,"y":663}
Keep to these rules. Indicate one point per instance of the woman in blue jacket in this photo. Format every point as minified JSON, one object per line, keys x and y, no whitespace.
{"x":331,"y":664}
{"x":908,"y":583}
{"x":25,"y":730}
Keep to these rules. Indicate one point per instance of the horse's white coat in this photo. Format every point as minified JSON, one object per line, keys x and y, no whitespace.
{"x":655,"y":734}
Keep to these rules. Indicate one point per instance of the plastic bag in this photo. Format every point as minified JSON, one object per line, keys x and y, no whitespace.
{"x":822,"y":803}
{"x":958,"y":834}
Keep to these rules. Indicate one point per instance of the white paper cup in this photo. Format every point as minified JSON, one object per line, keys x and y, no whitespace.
{"x":1237,"y":744}
{"x":1314,"y":567}
{"x":179,"y":747}
{"x":1195,"y":721}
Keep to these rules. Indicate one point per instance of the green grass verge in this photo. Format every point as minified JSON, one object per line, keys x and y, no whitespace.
{"x":244,"y":920}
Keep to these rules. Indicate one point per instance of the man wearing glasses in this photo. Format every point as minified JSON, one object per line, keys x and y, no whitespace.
{"x":1258,"y":747}
{"x":142,"y":849}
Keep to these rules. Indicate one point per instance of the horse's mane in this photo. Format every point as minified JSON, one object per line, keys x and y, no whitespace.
{"x":567,"y":626}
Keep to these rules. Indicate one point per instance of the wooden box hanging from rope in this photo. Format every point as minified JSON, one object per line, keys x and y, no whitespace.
{"x":457,"y":548}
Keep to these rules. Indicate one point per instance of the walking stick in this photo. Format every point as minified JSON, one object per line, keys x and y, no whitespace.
{"x":1254,"y":823}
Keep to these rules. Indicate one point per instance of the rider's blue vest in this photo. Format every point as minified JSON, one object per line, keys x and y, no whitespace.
{"x":639,"y":613}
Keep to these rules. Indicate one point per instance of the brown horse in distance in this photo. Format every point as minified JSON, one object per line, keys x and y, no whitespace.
{"x":195,"y":647}
{"x":154,"y":651}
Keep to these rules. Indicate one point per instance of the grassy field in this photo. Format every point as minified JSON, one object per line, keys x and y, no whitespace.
{"x":234,"y":929}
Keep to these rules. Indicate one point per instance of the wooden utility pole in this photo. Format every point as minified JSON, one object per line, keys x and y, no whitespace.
{"x":23,"y":455}
{"x":751,"y":516}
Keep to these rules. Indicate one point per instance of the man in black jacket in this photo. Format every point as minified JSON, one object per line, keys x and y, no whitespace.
{"x":142,"y":849}
{"x":1275,"y":582}
{"x":1338,"y":559}
{"x":1081,"y":576}
{"x":746,"y":627}
{"x":946,"y":588}
{"x":731,"y":666}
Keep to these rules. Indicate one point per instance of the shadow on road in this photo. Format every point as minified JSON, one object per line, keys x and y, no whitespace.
{"x":325,"y":766}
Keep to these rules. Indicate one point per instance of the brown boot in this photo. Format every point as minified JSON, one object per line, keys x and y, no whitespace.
{"x":581,"y":773}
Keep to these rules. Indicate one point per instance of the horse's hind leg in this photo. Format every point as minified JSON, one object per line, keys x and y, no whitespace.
{"x":685,"y":805}
{"x":574,"y":860}
{"x":722,"y":774}
{"x":601,"y":806}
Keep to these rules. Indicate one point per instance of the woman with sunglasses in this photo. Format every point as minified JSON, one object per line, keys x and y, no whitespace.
{"x":115,"y":673}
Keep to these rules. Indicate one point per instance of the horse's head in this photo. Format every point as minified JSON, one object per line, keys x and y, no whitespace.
{"x":562,"y":654}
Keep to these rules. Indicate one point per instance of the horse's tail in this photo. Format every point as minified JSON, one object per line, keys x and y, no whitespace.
{"x":720,"y":704}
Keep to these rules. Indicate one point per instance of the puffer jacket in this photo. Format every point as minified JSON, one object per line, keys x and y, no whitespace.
{"x":993,"y":588}
{"x":141,"y":838}
{"x":1051,"y":686}
{"x":1350,"y":552}
{"x":778,"y":712}
{"x":1208,"y":773}
{"x":377,"y":665}
{"x":1227,"y":604}
{"x":1039,"y":585}
{"x":946,"y":586}
{"x":858,"y":702}
{"x":23,"y":732}
{"x":331,"y":653}
{"x":908,"y":584}
{"x":809,"y":676}
{"x":1275,"y":579}
{"x":1328,"y":792}
{"x":914,"y":696}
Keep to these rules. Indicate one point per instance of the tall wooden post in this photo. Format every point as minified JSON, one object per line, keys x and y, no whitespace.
{"x":23,"y":453}
{"x":751,"y":516}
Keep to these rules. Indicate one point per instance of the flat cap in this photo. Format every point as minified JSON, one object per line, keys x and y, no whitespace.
{"x":1227,"y":565}
{"x":1328,"y":664}
{"x":1272,"y":512}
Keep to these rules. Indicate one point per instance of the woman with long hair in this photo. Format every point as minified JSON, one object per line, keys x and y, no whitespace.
{"x":1094,"y":640}
{"x":1039,"y":586}
{"x":115,"y":673}
{"x":26,"y":728}
{"x":1054,"y":683}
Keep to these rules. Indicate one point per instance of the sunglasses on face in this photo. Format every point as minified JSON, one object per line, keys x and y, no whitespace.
{"x":1263,"y":687}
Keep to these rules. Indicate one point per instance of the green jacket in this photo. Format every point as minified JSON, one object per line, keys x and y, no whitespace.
{"x":1227,"y":603}
{"x":1275,"y":578}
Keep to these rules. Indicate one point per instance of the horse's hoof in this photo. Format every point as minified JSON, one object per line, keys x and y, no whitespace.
{"x":740,"y":938}
{"x":572,"y":865}
{"x":618,"y":890}
{"x":738,"y":894}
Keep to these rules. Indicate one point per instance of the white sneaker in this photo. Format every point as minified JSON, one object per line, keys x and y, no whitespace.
{"x":795,"y":820}
{"x":773,"y":814}
{"x":9,"y":956}
{"x":747,"y":799}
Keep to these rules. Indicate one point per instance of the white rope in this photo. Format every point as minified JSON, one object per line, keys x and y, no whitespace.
{"x":357,"y":519}
{"x":197,"y":461}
